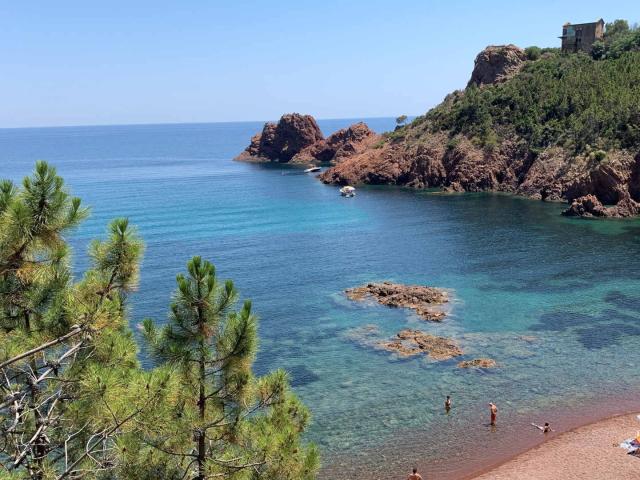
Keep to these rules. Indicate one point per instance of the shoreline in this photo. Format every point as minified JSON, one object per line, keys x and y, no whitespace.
{"x":560,"y":452}
{"x":485,"y":450}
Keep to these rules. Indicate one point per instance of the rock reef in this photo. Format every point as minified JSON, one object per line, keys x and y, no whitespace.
{"x":414,"y":342}
{"x":478,"y":363}
{"x":297,"y":139}
{"x":421,"y":299}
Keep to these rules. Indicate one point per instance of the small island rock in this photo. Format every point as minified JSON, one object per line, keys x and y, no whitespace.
{"x":478,"y":363}
{"x":297,"y":139}
{"x":420,"y":298}
{"x":282,"y":141}
{"x":414,"y":342}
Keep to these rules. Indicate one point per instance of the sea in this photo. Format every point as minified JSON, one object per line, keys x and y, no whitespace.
{"x":554,"y":301}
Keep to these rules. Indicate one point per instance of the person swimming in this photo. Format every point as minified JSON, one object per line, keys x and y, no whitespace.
{"x":546,"y":428}
{"x":447,"y":404}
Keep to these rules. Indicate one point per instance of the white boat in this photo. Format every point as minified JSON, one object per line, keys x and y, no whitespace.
{"x":312,"y":169}
{"x":348,"y":191}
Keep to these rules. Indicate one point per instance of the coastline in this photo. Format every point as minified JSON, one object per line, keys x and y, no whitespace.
{"x":588,"y":451}
{"x":485,"y":451}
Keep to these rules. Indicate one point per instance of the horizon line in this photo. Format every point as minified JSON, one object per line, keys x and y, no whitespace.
{"x":150,"y":124}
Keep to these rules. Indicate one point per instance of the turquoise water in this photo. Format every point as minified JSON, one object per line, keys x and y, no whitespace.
{"x":556,"y":302}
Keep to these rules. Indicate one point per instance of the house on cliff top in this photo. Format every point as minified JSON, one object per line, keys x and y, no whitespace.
{"x":580,"y":37}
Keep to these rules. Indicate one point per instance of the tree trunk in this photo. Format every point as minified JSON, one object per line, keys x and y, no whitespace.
{"x":201,"y":439}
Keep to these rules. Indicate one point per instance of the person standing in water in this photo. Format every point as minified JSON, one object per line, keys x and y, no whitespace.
{"x":447,"y":404}
{"x":494,"y":413}
{"x":415,"y":475}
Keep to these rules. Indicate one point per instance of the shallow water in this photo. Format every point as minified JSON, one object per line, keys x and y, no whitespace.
{"x":515,"y":268}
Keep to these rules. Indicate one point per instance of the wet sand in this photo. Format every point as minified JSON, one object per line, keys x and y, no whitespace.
{"x":590,"y":452}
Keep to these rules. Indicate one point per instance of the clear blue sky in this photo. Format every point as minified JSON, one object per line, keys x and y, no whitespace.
{"x":113,"y":62}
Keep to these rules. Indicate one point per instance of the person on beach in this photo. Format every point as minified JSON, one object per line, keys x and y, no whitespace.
{"x":494,"y":413}
{"x":415,"y":475}
{"x":447,"y":404}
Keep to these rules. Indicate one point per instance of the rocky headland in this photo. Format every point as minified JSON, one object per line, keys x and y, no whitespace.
{"x":525,"y":127}
{"x":422,"y":299}
{"x":297,"y":139}
{"x":532,"y":123}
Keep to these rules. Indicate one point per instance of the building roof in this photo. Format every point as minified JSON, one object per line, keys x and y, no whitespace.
{"x":581,"y":24}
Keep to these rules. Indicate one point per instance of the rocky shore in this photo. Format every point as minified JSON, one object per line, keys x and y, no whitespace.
{"x":421,"y":299}
{"x":419,"y":156}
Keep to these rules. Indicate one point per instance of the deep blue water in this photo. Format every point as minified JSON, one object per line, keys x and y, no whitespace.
{"x":556,"y":302}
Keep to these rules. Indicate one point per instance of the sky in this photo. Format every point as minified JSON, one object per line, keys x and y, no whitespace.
{"x":125,"y":62}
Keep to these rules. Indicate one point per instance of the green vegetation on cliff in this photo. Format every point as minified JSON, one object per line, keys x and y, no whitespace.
{"x":571,"y":101}
{"x":579,"y":102}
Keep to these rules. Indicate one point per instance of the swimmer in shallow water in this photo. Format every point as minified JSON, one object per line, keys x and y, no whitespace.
{"x":544,"y":429}
{"x":415,"y":475}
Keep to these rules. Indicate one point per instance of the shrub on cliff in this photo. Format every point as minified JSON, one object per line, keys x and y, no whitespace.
{"x":533,"y":53}
{"x":565,"y":100}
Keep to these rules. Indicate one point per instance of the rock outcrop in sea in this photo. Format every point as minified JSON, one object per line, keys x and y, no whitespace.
{"x":297,"y":138}
{"x":478,"y":363}
{"x":281,"y":141}
{"x":414,"y":342}
{"x":422,"y":299}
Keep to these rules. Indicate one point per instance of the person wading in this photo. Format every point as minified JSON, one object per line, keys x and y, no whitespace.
{"x":415,"y":475}
{"x":494,"y":413}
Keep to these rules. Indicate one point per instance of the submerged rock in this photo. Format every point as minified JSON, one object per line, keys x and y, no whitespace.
{"x":365,"y":335}
{"x":478,"y":363}
{"x":420,"y":298}
{"x":414,"y":342}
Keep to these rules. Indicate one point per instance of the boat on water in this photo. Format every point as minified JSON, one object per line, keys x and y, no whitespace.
{"x":348,"y":191}
{"x":312,"y":169}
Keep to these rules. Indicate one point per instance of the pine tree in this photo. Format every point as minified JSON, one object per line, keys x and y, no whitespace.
{"x":74,"y":401}
{"x":225,"y":423}
{"x":69,"y":375}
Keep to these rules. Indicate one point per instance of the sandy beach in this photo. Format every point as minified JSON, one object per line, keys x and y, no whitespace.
{"x":589,"y":452}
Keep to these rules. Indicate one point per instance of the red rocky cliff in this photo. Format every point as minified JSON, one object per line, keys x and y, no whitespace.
{"x":297,"y":139}
{"x":282,"y":141}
